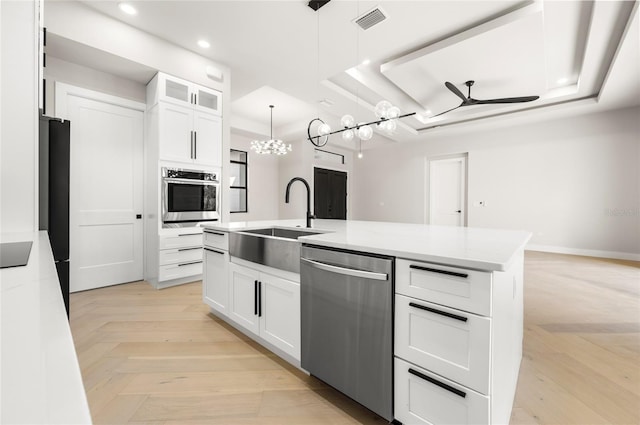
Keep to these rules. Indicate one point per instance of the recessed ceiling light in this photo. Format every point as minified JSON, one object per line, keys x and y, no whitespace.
{"x":428,"y":112}
{"x":366,"y":62}
{"x":127,"y":8}
{"x":204,"y":44}
{"x":562,"y":80}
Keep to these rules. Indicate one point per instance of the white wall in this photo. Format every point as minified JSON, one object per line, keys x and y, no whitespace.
{"x":19,"y":116}
{"x":58,"y":70}
{"x":262,"y":183}
{"x":574,"y":182}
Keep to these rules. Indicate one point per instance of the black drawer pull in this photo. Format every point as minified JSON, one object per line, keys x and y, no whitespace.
{"x":188,"y":249}
{"x":190,"y":263}
{"x":213,"y":250}
{"x":440,"y":312}
{"x":189,"y":234}
{"x":259,"y":299}
{"x":438,"y":383}
{"x":214,"y":233}
{"x":255,"y":297}
{"x":447,"y":272}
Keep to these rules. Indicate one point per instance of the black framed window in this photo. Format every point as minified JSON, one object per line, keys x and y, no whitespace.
{"x":238,"y":184}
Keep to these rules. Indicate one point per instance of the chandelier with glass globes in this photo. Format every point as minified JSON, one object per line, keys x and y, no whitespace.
{"x":387,"y":115}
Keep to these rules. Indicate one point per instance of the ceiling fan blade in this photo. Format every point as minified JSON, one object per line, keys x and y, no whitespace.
{"x":455,"y":91}
{"x":448,"y":110}
{"x":506,"y":100}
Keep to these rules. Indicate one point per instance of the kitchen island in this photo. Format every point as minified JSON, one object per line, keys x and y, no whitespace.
{"x":457,"y":309}
{"x":41,"y":380}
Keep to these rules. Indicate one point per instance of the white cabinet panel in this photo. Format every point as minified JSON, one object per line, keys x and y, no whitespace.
{"x":448,"y":342}
{"x":280,"y":321}
{"x":188,"y":239}
{"x":207,"y":146}
{"x":422,"y":397}
{"x":180,"y":255}
{"x":208,"y":100}
{"x":176,"y":132}
{"x":217,"y":240}
{"x":177,"y":271}
{"x":467,"y":290}
{"x":215,"y":280}
{"x":243,"y":301}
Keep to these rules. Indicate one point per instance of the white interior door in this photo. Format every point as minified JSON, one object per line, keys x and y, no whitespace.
{"x":105,"y":237}
{"x":447,"y":191}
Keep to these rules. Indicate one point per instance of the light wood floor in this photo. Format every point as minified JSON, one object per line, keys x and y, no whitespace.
{"x":158,"y":357}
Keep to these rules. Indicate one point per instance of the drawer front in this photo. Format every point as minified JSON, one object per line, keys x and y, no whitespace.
{"x":215,"y":239}
{"x":182,"y":240}
{"x":422,"y":397}
{"x":176,"y":271}
{"x":180,"y":255}
{"x":449,"y":342}
{"x":467,"y":290}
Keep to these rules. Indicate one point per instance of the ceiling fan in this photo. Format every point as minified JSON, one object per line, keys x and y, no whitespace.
{"x":469,"y":101}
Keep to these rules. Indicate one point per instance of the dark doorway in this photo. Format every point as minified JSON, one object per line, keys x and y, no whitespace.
{"x":330,"y":194}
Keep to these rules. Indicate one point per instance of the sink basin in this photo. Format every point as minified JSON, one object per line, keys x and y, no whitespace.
{"x":272,"y":246}
{"x":282,"y":233}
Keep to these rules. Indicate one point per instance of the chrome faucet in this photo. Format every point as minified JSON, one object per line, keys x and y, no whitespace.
{"x":286,"y":197}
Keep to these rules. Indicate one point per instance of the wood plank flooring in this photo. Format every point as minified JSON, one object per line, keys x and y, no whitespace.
{"x":159,"y":357}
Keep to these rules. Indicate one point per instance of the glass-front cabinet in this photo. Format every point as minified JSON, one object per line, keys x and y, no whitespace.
{"x":238,"y":181}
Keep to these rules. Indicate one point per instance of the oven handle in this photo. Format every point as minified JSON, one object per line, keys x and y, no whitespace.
{"x":191,"y":181}
{"x":346,"y":271}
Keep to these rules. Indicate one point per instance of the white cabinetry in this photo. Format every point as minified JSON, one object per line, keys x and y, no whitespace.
{"x":180,"y":255}
{"x":266,"y":305}
{"x":216,"y":265}
{"x":458,"y":343}
{"x":171,"y":89}
{"x":188,"y":125}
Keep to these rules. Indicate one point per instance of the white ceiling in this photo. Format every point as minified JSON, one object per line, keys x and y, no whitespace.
{"x":286,"y":54}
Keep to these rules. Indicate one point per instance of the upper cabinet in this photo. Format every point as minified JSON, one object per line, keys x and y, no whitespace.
{"x":184,"y":121}
{"x":166,"y":88}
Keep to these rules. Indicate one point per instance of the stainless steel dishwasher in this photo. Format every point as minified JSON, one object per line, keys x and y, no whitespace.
{"x":346,"y":301}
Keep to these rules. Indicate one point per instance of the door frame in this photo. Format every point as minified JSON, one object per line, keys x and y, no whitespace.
{"x":428,"y":208}
{"x":61,"y":110}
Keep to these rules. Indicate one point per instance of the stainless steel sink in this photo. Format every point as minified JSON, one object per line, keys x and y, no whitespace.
{"x":272,"y":246}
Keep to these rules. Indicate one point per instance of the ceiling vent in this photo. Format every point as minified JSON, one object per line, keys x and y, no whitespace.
{"x":371,"y":18}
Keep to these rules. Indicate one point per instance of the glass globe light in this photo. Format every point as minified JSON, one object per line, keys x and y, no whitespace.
{"x":360,"y":155}
{"x":365,"y":132}
{"x":393,"y":112}
{"x":389,"y":125}
{"x":348,"y":135}
{"x":347,"y":121}
{"x":381,"y":108}
{"x":324,"y":129}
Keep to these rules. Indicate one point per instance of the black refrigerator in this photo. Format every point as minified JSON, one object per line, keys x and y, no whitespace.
{"x":54,"y":164}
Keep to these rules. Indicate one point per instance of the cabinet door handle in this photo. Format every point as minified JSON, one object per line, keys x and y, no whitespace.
{"x":438,"y":383}
{"x":259,"y":299}
{"x":440,"y":312}
{"x":213,"y":250}
{"x":447,"y":272}
{"x":255,"y":297}
{"x":191,"y":144}
{"x":189,"y":263}
{"x":188,"y":234}
{"x":195,"y":98}
{"x":214,"y":233}
{"x":195,"y":145}
{"x":188,"y":249}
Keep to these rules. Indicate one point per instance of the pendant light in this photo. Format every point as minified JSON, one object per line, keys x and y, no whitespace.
{"x":271,"y":146}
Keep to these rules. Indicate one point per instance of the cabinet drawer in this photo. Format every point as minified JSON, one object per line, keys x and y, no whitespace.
{"x":180,"y":255}
{"x":175,"y":271}
{"x":467,"y":290}
{"x":448,"y":342}
{"x":422,"y":397}
{"x":216,"y":239}
{"x":182,"y":240}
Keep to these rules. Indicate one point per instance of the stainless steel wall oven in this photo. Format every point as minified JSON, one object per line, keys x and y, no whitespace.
{"x":189,"y":197}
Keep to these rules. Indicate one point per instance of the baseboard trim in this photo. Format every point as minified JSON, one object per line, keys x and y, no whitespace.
{"x":584,"y":252}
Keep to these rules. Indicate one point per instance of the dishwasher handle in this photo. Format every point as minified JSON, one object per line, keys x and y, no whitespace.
{"x":346,"y":271}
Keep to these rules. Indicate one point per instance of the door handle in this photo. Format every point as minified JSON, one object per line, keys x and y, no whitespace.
{"x":138,"y":216}
{"x":255,"y":297}
{"x":459,"y":211}
{"x":438,"y":383}
{"x":191,"y":144}
{"x":346,"y":271}
{"x":195,"y":145}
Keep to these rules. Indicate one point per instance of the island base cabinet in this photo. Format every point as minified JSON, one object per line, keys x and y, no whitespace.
{"x":422,"y":397}
{"x":267,"y":306}
{"x":215,"y":279}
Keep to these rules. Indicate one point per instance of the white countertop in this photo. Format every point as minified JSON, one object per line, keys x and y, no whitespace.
{"x":41,"y":380}
{"x":482,"y":249}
